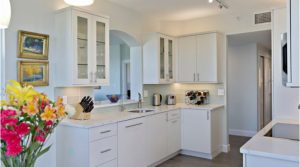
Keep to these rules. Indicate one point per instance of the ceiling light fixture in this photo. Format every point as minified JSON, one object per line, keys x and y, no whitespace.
{"x":79,"y":2}
{"x":222,"y":3}
{"x":5,"y":13}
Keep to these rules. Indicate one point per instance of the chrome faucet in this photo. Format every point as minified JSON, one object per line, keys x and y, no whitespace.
{"x":140,"y":101}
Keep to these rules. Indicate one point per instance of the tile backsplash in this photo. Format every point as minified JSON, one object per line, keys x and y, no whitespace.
{"x":180,"y":89}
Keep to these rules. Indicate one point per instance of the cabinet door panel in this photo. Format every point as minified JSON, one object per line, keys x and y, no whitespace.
{"x":131,"y":143}
{"x":174,"y":135}
{"x":207,"y":58}
{"x":82,"y":42}
{"x":101,"y":60}
{"x":187,"y":52}
{"x":196,"y":129}
{"x":156,"y":138}
{"x":170,"y":58}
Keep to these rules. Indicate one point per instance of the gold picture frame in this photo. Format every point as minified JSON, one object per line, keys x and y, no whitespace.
{"x":33,"y":45}
{"x":35,"y":73}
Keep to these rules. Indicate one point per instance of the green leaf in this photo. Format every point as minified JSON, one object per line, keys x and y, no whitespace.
{"x":43,"y":151}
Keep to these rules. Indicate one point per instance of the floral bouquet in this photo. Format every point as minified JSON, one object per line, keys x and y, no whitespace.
{"x":27,"y":120}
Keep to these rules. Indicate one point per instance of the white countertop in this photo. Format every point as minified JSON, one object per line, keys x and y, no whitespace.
{"x":271,"y":147}
{"x":103,"y":118}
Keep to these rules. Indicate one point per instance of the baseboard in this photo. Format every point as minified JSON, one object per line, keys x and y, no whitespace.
{"x":239,"y":132}
{"x":197,"y":154}
{"x":225,"y":148}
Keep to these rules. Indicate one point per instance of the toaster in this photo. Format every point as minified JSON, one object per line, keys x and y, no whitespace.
{"x":171,"y":99}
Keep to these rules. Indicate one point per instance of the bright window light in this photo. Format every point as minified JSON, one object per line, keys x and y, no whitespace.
{"x":79,"y":2}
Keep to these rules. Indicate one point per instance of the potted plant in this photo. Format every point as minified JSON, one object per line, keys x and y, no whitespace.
{"x":28,"y":118}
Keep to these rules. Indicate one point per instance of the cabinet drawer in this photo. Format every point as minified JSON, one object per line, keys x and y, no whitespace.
{"x":102,"y":132}
{"x":175,"y":114}
{"x":113,"y":163}
{"x":102,"y":151}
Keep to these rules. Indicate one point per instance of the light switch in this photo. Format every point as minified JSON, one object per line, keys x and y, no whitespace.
{"x":145,"y":93}
{"x":221,"y":92}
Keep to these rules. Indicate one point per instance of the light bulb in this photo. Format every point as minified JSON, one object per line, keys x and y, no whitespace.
{"x":210,"y":1}
{"x":5,"y":13}
{"x":79,"y":2}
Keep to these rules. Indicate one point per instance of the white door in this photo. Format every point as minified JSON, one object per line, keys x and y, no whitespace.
{"x":187,"y":52}
{"x":131,"y":143}
{"x":82,"y":43}
{"x":174,"y":136}
{"x":100,"y":61}
{"x":207,"y":58}
{"x":196,"y":130}
{"x":156,"y":138}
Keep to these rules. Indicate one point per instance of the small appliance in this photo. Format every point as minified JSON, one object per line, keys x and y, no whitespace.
{"x":170,"y":99}
{"x":156,"y":99}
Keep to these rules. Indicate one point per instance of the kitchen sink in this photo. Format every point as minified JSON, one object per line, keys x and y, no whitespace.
{"x":141,"y":110}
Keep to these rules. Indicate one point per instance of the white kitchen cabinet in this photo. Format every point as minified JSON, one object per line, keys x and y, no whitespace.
{"x":202,"y":132}
{"x":82,"y":42}
{"x":200,"y":58}
{"x":174,"y":132}
{"x":158,"y":59}
{"x":156,"y":139}
{"x":131,"y":143}
{"x":88,"y":147}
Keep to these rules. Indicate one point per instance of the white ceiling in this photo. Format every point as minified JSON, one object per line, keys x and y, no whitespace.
{"x":190,"y":9}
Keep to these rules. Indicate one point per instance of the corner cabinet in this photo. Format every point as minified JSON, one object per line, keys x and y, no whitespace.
{"x":201,"y":58}
{"x":82,"y":42}
{"x":158,"y":59}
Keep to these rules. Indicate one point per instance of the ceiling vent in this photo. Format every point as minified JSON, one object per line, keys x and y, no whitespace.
{"x":261,"y":18}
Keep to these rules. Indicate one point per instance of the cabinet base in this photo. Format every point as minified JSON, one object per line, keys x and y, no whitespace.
{"x":201,"y":155}
{"x":164,"y":159}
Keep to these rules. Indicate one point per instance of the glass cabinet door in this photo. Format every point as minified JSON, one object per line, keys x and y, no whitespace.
{"x":162,"y":58}
{"x":100,"y":51}
{"x":82,"y":48}
{"x":170,"y":60}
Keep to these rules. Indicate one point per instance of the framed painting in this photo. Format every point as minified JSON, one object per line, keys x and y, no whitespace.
{"x":33,"y":45}
{"x":35,"y":73}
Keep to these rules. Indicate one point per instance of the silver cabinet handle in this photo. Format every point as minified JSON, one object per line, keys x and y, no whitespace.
{"x":207,"y":115}
{"x":107,"y":131}
{"x":198,"y":75}
{"x":105,"y":151}
{"x":174,"y":121}
{"x":194,"y":77}
{"x":129,"y":126}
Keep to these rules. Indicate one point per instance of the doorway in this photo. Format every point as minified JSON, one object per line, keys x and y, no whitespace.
{"x":249,"y":82}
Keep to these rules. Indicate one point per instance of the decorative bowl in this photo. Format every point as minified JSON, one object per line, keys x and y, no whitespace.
{"x":113,"y":98}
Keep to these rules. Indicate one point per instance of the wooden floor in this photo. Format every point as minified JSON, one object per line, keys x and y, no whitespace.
{"x":232,"y":159}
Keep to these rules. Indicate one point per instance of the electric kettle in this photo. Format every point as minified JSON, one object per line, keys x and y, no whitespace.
{"x":156,"y":99}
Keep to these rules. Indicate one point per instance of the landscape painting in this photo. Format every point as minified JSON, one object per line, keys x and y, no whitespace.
{"x":33,"y":45}
{"x":33,"y":73}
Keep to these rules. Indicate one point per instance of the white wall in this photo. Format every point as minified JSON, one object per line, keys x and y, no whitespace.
{"x":285,"y":100}
{"x":227,"y":23}
{"x":242,"y":88}
{"x":38,"y":16}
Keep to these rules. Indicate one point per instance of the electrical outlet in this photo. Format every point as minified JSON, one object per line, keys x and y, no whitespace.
{"x":221,"y":92}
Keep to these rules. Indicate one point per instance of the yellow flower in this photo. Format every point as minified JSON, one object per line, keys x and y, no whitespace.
{"x":17,"y":94}
{"x":48,"y":114}
{"x":61,"y":111}
{"x":32,"y":107}
{"x":59,"y":101}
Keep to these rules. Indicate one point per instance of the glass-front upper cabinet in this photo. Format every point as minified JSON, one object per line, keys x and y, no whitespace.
{"x":82,"y":47}
{"x":158,"y":59}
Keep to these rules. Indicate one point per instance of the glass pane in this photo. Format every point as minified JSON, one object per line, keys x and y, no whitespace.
{"x":100,"y":37}
{"x":162,"y":58}
{"x":170,"y":54}
{"x":82,"y":47}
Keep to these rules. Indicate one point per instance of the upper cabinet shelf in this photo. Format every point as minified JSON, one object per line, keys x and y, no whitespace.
{"x":82,"y":40}
{"x":201,"y":58}
{"x":158,"y":59}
